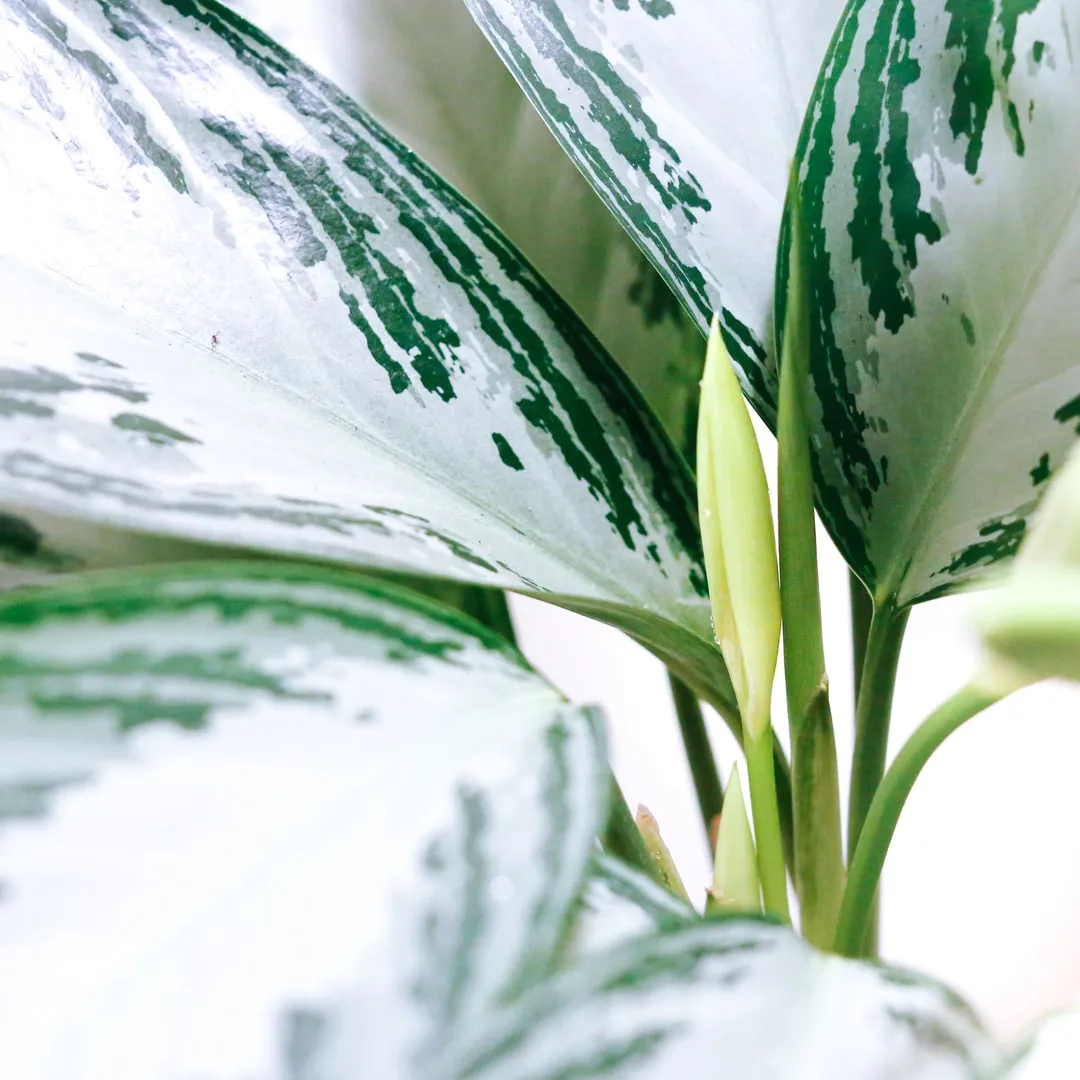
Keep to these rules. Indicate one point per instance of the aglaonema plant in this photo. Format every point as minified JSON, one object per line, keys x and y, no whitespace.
{"x":266,"y":377}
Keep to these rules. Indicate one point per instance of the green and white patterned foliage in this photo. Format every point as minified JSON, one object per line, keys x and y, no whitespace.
{"x":269,"y":823}
{"x":238,"y":312}
{"x":938,"y":164}
{"x":425,"y":71}
{"x":684,"y":116}
{"x":736,"y":998}
{"x":232,"y":794}
{"x":940,"y":169}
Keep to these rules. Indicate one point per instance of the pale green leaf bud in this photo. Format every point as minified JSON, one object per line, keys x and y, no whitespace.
{"x":736,"y":886}
{"x":737,"y":533}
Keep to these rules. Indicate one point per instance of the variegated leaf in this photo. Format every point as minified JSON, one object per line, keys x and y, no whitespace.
{"x":737,"y":998}
{"x":620,"y":903}
{"x":425,"y":71}
{"x":940,"y":172}
{"x":238,"y":312}
{"x":684,"y":117}
{"x":228,"y":793}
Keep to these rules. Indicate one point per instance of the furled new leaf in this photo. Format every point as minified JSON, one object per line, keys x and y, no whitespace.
{"x":737,"y":998}
{"x":940,"y":176}
{"x":684,"y":117}
{"x":230,"y":794}
{"x":238,"y":312}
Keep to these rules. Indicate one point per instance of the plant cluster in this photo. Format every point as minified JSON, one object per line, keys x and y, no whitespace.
{"x":283,"y":416}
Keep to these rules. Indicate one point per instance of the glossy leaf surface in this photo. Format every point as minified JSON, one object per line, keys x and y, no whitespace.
{"x":281,"y":332}
{"x":684,"y":117}
{"x":426,"y":72}
{"x":230,"y":794}
{"x":940,"y":173}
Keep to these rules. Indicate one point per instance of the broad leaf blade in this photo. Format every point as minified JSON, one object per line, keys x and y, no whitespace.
{"x":280,"y":331}
{"x":426,"y":71}
{"x":231,"y":792}
{"x":684,"y":118}
{"x":732,"y":997}
{"x":940,"y":177}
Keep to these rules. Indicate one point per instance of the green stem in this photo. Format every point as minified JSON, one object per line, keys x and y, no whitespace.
{"x":699,"y":751}
{"x":873,"y":709}
{"x":622,"y":838}
{"x":819,"y":857}
{"x":872,"y":712}
{"x":785,"y":804}
{"x":862,"y":612}
{"x":857,"y":908}
{"x":761,"y":773}
{"x":782,"y":784}
{"x":819,"y":860}
{"x":705,"y":688}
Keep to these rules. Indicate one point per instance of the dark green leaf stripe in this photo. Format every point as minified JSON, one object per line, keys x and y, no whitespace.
{"x":447,"y":96}
{"x":466,"y":965}
{"x":683,"y":118}
{"x":370,"y":791}
{"x":942,"y":257}
{"x":282,"y":331}
{"x":721,"y":991}
{"x":621,"y":112}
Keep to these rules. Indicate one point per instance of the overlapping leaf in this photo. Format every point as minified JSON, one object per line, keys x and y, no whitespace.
{"x":736,"y":998}
{"x":427,"y":73}
{"x":238,"y":312}
{"x":940,"y":171}
{"x":229,"y":793}
{"x":684,"y":117}
{"x":620,"y":903}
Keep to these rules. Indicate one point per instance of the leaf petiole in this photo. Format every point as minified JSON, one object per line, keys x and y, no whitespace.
{"x":857,"y":907}
{"x":872,"y":711}
{"x":761,"y":774}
